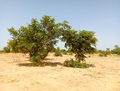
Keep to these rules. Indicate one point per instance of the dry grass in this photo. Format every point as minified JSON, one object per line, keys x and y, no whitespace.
{"x":17,"y":74}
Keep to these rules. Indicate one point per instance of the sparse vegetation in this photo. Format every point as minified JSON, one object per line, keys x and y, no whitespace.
{"x":58,"y":52}
{"x":63,"y":51}
{"x":14,"y":80}
{"x":70,"y":53}
{"x":38,"y":39}
{"x":103,"y":54}
{"x":75,"y":64}
{"x":1,"y":51}
{"x":116,"y":50}
{"x":6,"y":50}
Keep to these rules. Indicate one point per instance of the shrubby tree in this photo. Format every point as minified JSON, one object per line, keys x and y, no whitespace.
{"x":6,"y":49}
{"x":64,"y":51}
{"x":116,"y":50}
{"x":37,"y":39}
{"x":58,"y":52}
{"x":79,"y":42}
{"x":69,"y":50}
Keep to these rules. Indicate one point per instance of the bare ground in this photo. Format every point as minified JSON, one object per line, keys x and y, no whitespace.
{"x":17,"y":74}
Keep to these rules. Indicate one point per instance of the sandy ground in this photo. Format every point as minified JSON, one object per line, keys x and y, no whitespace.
{"x":17,"y":74}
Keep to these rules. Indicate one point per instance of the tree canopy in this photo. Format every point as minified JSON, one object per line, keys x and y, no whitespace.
{"x":80,"y":42}
{"x":39,"y":38}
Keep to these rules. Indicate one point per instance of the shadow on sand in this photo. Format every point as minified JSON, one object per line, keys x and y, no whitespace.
{"x":52,"y":64}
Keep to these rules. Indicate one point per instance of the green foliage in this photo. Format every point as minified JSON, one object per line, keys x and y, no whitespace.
{"x":103,"y":54}
{"x":6,"y":49}
{"x":75,"y":64}
{"x":53,"y":50}
{"x":70,"y":53}
{"x":116,"y":50}
{"x":1,"y":51}
{"x":69,"y":50}
{"x":58,"y":52}
{"x":37,"y":39}
{"x":63,"y":51}
{"x":79,"y":43}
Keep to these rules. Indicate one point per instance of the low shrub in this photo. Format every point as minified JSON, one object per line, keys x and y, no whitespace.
{"x":103,"y":54}
{"x":1,"y":51}
{"x":58,"y":54}
{"x":65,"y":53}
{"x":6,"y":50}
{"x":70,"y":53}
{"x":75,"y":64}
{"x":89,"y":56}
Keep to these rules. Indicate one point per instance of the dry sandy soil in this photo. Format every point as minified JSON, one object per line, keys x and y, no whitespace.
{"x":17,"y":74}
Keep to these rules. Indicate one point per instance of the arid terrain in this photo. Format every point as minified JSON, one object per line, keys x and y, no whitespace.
{"x":17,"y":74}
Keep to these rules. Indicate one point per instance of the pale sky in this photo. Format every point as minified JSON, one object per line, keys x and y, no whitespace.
{"x":100,"y":16}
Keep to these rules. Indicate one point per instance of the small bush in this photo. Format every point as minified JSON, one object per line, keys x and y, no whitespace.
{"x":89,"y":56}
{"x":64,"y":52}
{"x":75,"y":64}
{"x":6,"y":50}
{"x":58,"y":54}
{"x":70,"y":53}
{"x":1,"y":51}
{"x":103,"y":54}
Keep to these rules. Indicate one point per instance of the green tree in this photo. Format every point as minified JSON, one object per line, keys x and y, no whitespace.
{"x":80,"y":43}
{"x":116,"y":50}
{"x":37,"y":39}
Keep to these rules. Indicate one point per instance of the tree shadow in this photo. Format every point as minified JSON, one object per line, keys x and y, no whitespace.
{"x":48,"y":59}
{"x":91,"y":65}
{"x":52,"y":64}
{"x":44,"y":59}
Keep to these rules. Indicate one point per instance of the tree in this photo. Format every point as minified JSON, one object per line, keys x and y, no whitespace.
{"x":37,"y":39}
{"x":116,"y":50}
{"x":116,"y":46}
{"x":107,"y":49}
{"x":80,"y":43}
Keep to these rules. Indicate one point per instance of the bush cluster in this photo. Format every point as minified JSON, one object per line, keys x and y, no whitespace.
{"x":103,"y":54}
{"x":58,"y":54}
{"x":65,"y":53}
{"x":6,"y":50}
{"x":75,"y":64}
{"x":70,"y":53}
